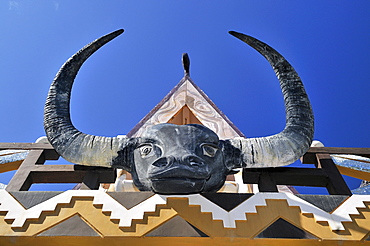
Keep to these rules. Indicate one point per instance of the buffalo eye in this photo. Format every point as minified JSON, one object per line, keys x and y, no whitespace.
{"x":145,"y":150}
{"x":209,"y":150}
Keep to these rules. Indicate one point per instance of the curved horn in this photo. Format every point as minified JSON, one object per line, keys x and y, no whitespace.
{"x":289,"y":145}
{"x":71,"y":144}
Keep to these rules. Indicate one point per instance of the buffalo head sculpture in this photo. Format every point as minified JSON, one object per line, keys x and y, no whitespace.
{"x":172,"y":159}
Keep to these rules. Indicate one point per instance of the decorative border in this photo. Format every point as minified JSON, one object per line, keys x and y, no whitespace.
{"x":349,"y":221}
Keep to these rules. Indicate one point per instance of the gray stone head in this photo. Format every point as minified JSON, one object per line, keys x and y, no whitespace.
{"x":185,"y":158}
{"x":172,"y":159}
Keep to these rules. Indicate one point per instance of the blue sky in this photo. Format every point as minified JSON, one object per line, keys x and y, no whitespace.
{"x":327,"y":42}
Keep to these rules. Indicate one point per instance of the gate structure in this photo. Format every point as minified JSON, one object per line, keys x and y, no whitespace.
{"x":257,"y":206}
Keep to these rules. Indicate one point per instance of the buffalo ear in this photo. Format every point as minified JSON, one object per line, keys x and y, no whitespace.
{"x":125,"y":158}
{"x":232,"y":155}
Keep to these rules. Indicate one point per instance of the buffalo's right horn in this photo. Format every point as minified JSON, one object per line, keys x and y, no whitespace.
{"x":289,"y":145}
{"x":71,"y":144}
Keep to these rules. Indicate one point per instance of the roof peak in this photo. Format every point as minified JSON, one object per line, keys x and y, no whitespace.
{"x":187,"y":93}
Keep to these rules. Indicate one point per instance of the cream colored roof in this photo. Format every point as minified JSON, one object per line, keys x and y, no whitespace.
{"x":187,"y":94}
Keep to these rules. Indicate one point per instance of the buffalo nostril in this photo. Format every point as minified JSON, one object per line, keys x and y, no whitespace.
{"x":194,"y":161}
{"x":164,"y":161}
{"x":160,"y":163}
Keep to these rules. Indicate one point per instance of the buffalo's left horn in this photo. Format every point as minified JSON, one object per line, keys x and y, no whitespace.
{"x":289,"y":145}
{"x":71,"y":144}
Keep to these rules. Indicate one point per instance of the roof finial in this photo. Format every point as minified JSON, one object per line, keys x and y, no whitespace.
{"x":186,"y":64}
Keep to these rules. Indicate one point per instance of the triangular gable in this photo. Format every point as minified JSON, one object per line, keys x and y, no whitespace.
{"x":186,"y":95}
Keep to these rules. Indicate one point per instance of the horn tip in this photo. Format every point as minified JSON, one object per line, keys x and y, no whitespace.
{"x":235,"y":34}
{"x":118,"y":32}
{"x":245,"y":38}
{"x":240,"y":35}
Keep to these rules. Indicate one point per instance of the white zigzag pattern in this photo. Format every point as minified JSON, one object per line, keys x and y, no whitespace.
{"x":16,"y":212}
{"x":125,"y":216}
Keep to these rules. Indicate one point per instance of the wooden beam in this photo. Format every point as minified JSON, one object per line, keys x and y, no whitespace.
{"x":71,"y":174}
{"x":49,"y":151}
{"x":336,"y":184}
{"x":287,"y":176}
{"x":185,"y":115}
{"x":32,"y":171}
{"x":266,"y":183}
{"x":30,"y":146}
{"x":340,"y":150}
{"x":326,"y":175}
{"x":354,"y":173}
{"x":11,"y":166}
{"x":91,"y":181}
{"x":310,"y":156}
{"x":22,"y":180}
